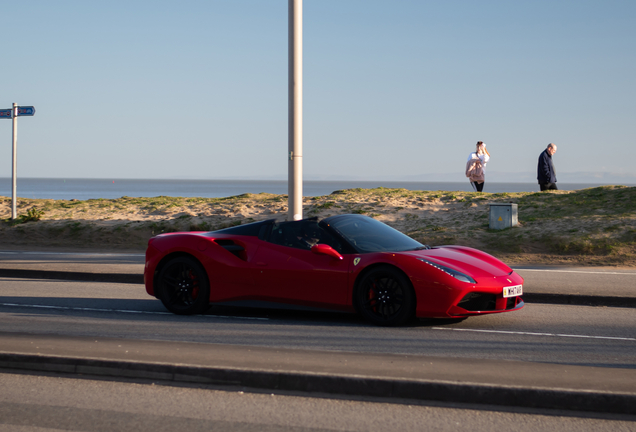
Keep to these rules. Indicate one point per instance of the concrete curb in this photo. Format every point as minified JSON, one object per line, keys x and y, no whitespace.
{"x":127,"y":278}
{"x":345,"y":385}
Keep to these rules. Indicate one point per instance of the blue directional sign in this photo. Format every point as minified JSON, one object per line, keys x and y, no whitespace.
{"x":22,"y":111}
{"x":26,"y":111}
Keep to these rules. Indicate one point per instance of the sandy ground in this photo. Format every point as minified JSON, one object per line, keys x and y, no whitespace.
{"x":431,"y":217}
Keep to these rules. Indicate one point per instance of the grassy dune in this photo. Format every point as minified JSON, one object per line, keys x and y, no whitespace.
{"x":594,"y":226}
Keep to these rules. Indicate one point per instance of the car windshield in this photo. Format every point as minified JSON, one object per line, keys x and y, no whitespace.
{"x":369,"y":235}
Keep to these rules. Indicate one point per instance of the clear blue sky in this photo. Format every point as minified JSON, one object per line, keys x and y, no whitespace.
{"x":392,"y":89}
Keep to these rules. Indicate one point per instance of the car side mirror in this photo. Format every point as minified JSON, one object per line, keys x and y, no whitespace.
{"x":324,"y":249}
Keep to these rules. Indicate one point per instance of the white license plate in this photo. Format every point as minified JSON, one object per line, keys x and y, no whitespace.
{"x":513,"y":291}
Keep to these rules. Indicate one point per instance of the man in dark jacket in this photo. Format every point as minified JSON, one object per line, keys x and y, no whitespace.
{"x":545,"y":171}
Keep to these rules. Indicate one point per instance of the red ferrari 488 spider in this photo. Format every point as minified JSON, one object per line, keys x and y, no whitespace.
{"x":345,"y":262}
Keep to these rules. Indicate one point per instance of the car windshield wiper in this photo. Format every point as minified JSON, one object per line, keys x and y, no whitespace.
{"x":422,"y":247}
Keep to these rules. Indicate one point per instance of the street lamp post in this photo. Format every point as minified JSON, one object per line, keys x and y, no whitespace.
{"x":295,"y":163}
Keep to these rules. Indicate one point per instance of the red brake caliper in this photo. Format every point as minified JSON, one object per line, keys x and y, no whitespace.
{"x":372,"y":291}
{"x":195,"y":285}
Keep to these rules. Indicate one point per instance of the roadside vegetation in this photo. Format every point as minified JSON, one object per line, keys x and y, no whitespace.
{"x":591,"y":226}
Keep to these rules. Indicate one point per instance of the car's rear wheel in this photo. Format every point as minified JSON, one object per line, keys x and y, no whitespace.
{"x":385,"y":297}
{"x":183,"y":287}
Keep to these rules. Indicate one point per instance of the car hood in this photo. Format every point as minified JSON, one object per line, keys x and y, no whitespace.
{"x":466,"y":260}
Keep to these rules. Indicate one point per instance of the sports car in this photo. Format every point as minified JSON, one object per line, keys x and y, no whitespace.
{"x":347,"y":262}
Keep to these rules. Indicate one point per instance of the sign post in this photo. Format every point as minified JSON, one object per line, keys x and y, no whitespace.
{"x":14,"y":171}
{"x":13,"y":114}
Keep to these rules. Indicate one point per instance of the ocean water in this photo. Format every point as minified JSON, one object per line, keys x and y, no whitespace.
{"x":83,"y":189}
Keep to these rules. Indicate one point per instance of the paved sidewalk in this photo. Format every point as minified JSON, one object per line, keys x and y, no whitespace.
{"x":131,"y":264}
{"x":475,"y":381}
{"x":605,"y":286}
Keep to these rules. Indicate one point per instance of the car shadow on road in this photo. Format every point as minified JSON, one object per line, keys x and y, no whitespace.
{"x":152,"y":310}
{"x":317,"y":316}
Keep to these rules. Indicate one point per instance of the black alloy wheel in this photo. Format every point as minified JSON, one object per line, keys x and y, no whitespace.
{"x":183,"y":287}
{"x":385,"y":297}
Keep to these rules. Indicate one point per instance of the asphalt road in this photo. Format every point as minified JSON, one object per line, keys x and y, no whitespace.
{"x":588,"y":347}
{"x":576,"y":335}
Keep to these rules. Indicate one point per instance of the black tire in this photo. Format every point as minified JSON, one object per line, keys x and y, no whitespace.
{"x":385,"y":297}
{"x":183,"y":287}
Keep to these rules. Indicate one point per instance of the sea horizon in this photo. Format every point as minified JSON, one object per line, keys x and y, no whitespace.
{"x":83,"y":189}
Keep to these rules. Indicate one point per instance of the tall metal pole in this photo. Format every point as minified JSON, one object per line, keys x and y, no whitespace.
{"x":295,"y":163}
{"x":14,"y":117}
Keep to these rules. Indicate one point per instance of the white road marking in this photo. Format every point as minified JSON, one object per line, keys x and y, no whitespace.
{"x":267,"y":319}
{"x":120,"y":310}
{"x":536,"y":334}
{"x":574,"y":271}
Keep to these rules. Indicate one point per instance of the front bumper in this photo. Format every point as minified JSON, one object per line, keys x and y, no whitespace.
{"x":480,"y":304}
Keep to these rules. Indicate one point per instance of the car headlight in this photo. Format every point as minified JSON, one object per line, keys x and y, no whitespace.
{"x":454,"y":273}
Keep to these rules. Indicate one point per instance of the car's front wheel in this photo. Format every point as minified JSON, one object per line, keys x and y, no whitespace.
{"x":183,"y":287}
{"x":385,"y":297}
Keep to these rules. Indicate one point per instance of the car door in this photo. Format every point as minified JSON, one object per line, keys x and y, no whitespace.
{"x":287,"y":269}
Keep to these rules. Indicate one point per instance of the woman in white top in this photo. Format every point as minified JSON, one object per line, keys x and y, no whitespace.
{"x":482,"y":154}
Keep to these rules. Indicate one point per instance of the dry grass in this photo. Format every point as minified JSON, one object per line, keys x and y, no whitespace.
{"x":594,"y":226}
